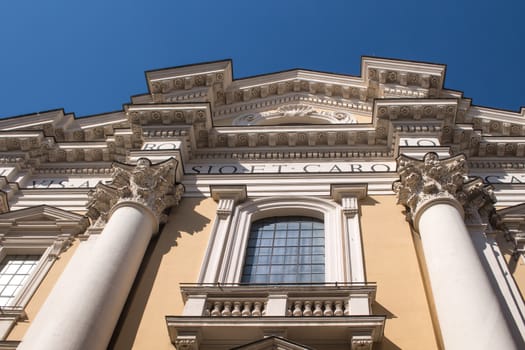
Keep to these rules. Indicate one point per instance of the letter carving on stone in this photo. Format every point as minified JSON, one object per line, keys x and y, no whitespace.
{"x":152,"y":186}
{"x":422,"y":182}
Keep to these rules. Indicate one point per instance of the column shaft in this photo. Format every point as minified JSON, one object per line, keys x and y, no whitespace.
{"x":467,"y":307}
{"x":83,"y":308}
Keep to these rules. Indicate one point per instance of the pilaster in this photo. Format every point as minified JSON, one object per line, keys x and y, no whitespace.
{"x":227,"y":197}
{"x":348,"y":196}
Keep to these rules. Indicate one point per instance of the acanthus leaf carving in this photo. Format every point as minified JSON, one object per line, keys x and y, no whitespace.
{"x":424,"y":181}
{"x":152,"y":186}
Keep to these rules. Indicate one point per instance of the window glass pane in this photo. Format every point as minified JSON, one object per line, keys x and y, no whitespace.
{"x":317,"y":259}
{"x":285,"y":250}
{"x":292,"y":251}
{"x":279,"y":242}
{"x":277,"y":259}
{"x":293,"y":234}
{"x":14,"y":271}
{"x":291,"y":259}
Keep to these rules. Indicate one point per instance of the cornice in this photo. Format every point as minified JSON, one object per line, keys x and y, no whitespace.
{"x":74,"y":169}
{"x":496,"y":163}
{"x":399,"y":65}
{"x":479,"y":132}
{"x":298,"y":75}
{"x":190,"y":71}
{"x":286,"y":154}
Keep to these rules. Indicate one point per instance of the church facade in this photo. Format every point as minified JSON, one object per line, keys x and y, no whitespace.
{"x":293,"y":210}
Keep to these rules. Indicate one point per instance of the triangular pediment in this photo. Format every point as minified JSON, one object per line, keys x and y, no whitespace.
{"x":273,"y":343}
{"x":41,"y":214}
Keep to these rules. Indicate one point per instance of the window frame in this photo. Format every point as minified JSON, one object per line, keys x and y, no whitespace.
{"x":41,"y":230}
{"x":25,"y":292}
{"x":233,"y":252}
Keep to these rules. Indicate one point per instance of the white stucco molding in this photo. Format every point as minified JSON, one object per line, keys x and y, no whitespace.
{"x":233,"y":250}
{"x":227,"y":197}
{"x":348,"y":195}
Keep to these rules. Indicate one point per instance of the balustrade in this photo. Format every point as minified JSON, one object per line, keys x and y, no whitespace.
{"x":286,"y":301}
{"x":318,"y":308}
{"x":240,"y":307}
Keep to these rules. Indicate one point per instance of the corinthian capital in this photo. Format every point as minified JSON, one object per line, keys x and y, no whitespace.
{"x":422,"y":182}
{"x":152,"y":186}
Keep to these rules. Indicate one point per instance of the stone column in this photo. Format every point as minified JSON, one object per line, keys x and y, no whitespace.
{"x":435,"y":193}
{"x":84,"y":306}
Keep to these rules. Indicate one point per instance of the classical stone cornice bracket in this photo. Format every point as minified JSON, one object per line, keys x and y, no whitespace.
{"x":349,"y":196}
{"x":227,"y":197}
{"x":433,"y":180}
{"x":152,"y":186}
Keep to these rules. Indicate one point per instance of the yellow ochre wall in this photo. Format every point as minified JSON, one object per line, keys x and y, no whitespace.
{"x":176,"y":254}
{"x":391,"y":262}
{"x":42,"y":292}
{"x":175,"y":257}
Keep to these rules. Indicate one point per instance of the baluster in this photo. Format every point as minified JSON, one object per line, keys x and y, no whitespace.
{"x":347,"y":307}
{"x":338,"y":308}
{"x":297,"y":311}
{"x":216,"y":309}
{"x":289,"y":309}
{"x":328,"y":309}
{"x":236,"y":309}
{"x":318,"y":311}
{"x":207,"y":310}
{"x":257,"y":308}
{"x":307,"y":308}
{"x":227,"y":311}
{"x":247,"y":311}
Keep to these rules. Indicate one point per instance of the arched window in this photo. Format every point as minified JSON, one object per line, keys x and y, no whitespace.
{"x":229,"y":249}
{"x":286,"y":249}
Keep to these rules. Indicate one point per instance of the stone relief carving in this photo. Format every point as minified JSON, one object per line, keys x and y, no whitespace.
{"x":295,"y":111}
{"x":152,"y":186}
{"x":432,"y":178}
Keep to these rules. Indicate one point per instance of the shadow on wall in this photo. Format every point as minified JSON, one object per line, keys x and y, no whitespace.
{"x":190,"y":222}
{"x":386,"y":344}
{"x":378,"y":309}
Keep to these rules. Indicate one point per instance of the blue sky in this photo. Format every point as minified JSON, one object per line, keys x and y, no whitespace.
{"x":89,"y":57}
